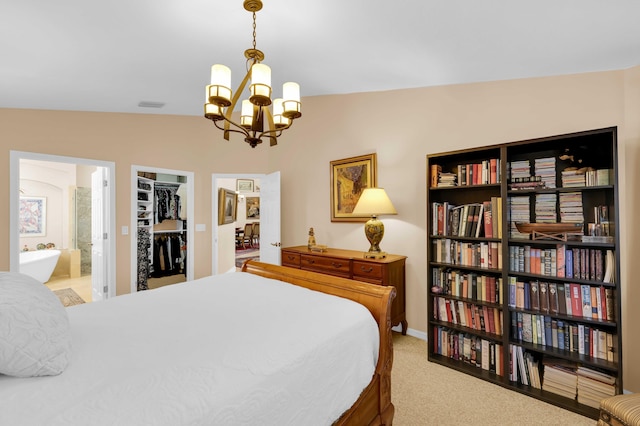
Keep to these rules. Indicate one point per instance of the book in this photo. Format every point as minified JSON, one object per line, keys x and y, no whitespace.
{"x":568,"y":263}
{"x":585,"y":290}
{"x":534,"y":296}
{"x":567,"y":294}
{"x":527,"y":328}
{"x":576,"y":300}
{"x":477,"y":218}
{"x":435,"y":174}
{"x":544,"y":297}
{"x":488,"y":219}
{"x":562,"y":301}
{"x":553,"y":298}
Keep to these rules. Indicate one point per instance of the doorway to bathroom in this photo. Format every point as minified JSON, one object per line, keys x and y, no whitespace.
{"x":61,"y":210}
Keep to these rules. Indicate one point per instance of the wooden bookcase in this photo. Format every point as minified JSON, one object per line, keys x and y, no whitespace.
{"x":497,"y":312}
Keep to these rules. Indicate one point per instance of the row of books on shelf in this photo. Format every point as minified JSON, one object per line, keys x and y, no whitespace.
{"x":562,"y":262}
{"x":563,"y":335}
{"x":468,"y":285}
{"x":466,"y":314}
{"x":487,"y":255}
{"x":573,"y":177}
{"x":468,"y":220}
{"x":481,"y":173}
{"x":571,"y":299}
{"x":468,"y":348}
{"x":586,"y":385}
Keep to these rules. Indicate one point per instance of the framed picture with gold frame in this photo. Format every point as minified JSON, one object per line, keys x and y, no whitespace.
{"x":227,"y":206}
{"x":349,"y":177}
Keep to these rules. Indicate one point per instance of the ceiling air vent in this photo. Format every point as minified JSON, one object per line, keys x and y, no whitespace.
{"x":150,"y":104}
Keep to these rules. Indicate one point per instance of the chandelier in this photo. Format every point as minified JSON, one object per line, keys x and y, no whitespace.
{"x":257,"y":120}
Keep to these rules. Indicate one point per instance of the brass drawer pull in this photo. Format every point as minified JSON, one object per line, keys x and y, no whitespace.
{"x":311,"y":261}
{"x":336,"y":265}
{"x":362,"y":268}
{"x":291,"y":257}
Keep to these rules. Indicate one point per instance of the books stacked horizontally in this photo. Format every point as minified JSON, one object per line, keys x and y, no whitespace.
{"x":519,"y":170}
{"x":447,"y":179}
{"x":546,"y":208}
{"x":571,"y":207}
{"x":572,"y":177}
{"x":518,"y":213}
{"x":593,"y":386}
{"x":560,"y":377}
{"x":546,"y":169}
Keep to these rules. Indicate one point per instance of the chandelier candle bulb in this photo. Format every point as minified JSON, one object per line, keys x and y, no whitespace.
{"x":246,"y":114}
{"x":279,"y":120}
{"x":220,"y":89}
{"x":291,"y":96}
{"x":260,"y":85}
{"x":213,"y":112}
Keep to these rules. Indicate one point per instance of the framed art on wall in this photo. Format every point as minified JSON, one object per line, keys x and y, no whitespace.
{"x":253,"y":207}
{"x":349,"y":177}
{"x":227,"y":206}
{"x":244,"y":185}
{"x":33,"y":216}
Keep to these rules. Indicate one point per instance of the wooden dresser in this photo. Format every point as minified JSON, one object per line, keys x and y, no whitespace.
{"x":353,"y":265}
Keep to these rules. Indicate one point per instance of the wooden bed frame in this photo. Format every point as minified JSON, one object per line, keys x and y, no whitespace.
{"x":374,"y":406}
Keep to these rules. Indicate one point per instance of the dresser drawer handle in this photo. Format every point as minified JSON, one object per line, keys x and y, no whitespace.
{"x":291,"y":257}
{"x":362,"y":268}
{"x":336,"y":265}
{"x":311,"y":261}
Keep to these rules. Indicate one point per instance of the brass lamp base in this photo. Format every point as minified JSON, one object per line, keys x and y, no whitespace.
{"x":372,"y":255}
{"x":374,"y":230}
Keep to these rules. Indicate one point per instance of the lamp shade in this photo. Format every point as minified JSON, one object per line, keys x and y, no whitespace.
{"x":374,"y":202}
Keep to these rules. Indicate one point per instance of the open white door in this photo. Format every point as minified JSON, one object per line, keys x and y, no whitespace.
{"x":99,"y":235}
{"x":270,"y":218}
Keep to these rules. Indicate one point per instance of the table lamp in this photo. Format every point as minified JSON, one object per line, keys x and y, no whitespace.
{"x":374,"y":202}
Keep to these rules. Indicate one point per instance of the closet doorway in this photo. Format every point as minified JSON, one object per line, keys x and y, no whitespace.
{"x":74,"y":203}
{"x":162,"y":214}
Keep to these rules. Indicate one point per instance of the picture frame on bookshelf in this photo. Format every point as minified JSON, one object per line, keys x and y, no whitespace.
{"x":349,"y":178}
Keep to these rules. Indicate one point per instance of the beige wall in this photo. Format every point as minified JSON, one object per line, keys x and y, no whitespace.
{"x":401,"y":126}
{"x":630,"y":196}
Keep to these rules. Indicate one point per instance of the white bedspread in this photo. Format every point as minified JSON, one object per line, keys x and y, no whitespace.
{"x":232,"y":349}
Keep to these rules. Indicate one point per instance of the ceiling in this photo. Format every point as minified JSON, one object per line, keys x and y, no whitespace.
{"x":111,"y":55}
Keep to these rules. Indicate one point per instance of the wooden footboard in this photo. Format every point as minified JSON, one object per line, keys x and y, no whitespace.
{"x":374,"y":406}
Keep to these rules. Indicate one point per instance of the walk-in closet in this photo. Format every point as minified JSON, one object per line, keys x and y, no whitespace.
{"x":162,"y":229}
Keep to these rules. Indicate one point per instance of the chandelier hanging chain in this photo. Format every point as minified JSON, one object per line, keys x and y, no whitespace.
{"x":254,"y":30}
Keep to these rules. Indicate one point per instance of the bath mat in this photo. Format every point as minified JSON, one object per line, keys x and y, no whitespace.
{"x":68,"y":297}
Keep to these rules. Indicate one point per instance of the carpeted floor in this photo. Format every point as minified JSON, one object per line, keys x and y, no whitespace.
{"x":425,"y":393}
{"x":68,"y":297}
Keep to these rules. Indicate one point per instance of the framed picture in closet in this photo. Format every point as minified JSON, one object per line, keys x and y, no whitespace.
{"x":227,"y":206}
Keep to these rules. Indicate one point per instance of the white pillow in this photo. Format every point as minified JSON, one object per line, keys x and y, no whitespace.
{"x":35,"y":336}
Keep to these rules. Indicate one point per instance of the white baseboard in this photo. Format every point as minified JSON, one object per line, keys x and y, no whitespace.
{"x":411,"y":332}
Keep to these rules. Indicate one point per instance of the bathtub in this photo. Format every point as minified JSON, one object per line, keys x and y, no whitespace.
{"x":39,"y":264}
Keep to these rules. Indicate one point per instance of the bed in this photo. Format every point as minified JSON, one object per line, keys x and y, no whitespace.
{"x":233,"y":349}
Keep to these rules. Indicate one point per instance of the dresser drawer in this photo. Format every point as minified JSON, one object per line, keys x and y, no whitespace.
{"x":367,"y":271}
{"x":326,"y":265}
{"x":291,"y":259}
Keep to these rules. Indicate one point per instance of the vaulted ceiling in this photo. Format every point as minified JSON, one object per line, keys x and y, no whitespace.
{"x":112,"y":55}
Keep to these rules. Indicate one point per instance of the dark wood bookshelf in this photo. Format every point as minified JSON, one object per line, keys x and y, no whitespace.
{"x":595,"y":149}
